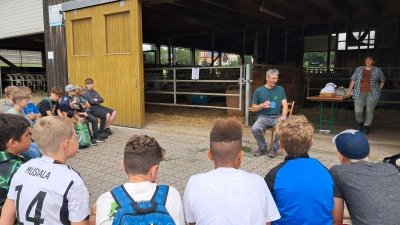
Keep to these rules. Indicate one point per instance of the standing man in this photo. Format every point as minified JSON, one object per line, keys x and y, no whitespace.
{"x":367,"y":82}
{"x":268,"y":101}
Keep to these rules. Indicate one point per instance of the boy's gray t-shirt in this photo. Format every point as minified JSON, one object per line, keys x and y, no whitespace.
{"x":371,"y":191}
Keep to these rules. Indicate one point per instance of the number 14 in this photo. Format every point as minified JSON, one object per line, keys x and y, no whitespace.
{"x":39,"y":199}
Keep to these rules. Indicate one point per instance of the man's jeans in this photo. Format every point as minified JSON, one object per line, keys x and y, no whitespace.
{"x":263,"y":122}
{"x":366,"y":100}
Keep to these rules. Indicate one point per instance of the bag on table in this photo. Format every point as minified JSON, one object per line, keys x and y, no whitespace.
{"x":394,"y":160}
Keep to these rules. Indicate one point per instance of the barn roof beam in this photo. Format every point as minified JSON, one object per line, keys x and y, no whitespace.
{"x":374,"y":6}
{"x":305,"y":9}
{"x":242,"y":7}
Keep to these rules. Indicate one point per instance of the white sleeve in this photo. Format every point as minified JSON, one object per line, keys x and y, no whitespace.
{"x":174,"y":206}
{"x":103,"y":208}
{"x":272,"y":212}
{"x":189,"y":217}
{"x":78,"y":201}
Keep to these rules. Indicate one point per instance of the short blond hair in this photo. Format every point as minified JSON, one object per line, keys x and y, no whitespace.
{"x":295,"y":135}
{"x":19,"y":95}
{"x":9,"y":90}
{"x":50,"y":132}
{"x":25,"y":88}
{"x":79,"y":87}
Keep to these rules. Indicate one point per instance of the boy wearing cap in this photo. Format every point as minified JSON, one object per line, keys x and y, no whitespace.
{"x":70,"y":91}
{"x":301,"y":186}
{"x":371,"y":190}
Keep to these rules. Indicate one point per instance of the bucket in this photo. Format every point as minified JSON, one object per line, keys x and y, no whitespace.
{"x":233,"y":101}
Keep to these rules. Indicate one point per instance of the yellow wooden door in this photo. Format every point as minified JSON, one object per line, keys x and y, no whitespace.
{"x":104,"y":42}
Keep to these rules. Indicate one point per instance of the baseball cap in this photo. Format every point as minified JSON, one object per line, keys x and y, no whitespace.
{"x":352,"y":144}
{"x":75,"y":102}
{"x":70,"y":87}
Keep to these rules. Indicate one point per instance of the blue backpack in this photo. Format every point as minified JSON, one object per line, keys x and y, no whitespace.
{"x":151,"y":212}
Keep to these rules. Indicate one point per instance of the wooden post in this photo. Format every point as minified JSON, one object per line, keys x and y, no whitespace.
{"x":55,"y":41}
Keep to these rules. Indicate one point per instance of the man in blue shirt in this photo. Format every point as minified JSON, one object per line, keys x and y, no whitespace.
{"x":268,"y":101}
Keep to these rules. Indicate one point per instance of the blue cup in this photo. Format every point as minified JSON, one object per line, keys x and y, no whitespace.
{"x":272,"y":105}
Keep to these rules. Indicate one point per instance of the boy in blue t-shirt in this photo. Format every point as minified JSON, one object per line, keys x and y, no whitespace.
{"x":301,"y":186}
{"x":31,"y":112}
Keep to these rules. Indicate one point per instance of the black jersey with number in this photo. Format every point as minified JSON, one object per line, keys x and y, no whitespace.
{"x":49,"y":193}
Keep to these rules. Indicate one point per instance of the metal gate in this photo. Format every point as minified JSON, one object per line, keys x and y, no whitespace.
{"x":169,"y":86}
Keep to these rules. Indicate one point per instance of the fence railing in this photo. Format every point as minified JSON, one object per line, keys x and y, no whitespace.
{"x":175,"y":81}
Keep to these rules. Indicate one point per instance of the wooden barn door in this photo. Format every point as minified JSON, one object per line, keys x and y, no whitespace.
{"x":104,"y":42}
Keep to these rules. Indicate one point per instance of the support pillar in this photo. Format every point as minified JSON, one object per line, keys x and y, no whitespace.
{"x":55,"y":42}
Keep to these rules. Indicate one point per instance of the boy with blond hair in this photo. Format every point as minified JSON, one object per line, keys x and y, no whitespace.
{"x":14,"y":139}
{"x":21,"y":100}
{"x":31,"y":112}
{"x":301,"y":186}
{"x":8,"y":92}
{"x":45,"y":190}
{"x":84,"y":111}
{"x":228,"y":195}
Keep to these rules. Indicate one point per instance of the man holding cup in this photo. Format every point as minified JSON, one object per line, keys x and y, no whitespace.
{"x":268,"y":101}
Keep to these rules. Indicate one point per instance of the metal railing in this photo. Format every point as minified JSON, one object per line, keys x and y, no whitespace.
{"x":173,"y":81}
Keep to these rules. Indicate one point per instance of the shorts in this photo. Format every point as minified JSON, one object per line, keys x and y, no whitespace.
{"x":101,"y":111}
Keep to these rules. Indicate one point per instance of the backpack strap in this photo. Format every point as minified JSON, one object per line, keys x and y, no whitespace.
{"x":160,"y":195}
{"x":122,"y":198}
{"x":49,"y":100}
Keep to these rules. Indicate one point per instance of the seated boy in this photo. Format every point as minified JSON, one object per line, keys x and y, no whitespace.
{"x":49,"y":105}
{"x":371,"y":190}
{"x":15,"y":138}
{"x":46,"y":190}
{"x":70,"y":91}
{"x":31,"y":112}
{"x":105,"y":114}
{"x":68,"y":109}
{"x":8,"y":92}
{"x":228,"y":195}
{"x":20,"y":100}
{"x":301,"y":186}
{"x":84,"y":111}
{"x":142,"y":156}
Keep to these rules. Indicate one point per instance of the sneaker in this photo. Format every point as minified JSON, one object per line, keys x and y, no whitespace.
{"x":93,"y":142}
{"x":102,"y":135}
{"x":272,"y":152}
{"x":360,"y":126}
{"x":365,"y":130}
{"x":260,"y":153}
{"x":99,"y":140}
{"x":108,"y":131}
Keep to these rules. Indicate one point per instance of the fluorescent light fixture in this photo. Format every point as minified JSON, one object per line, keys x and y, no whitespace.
{"x":264,"y":10}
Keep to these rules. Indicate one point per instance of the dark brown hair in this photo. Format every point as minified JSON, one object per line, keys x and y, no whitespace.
{"x":226,"y":140}
{"x":141,"y":153}
{"x":371,"y":56}
{"x":57,"y":90}
{"x":88,"y":81}
{"x":12,"y":127}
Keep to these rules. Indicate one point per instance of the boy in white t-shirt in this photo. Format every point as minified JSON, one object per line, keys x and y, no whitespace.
{"x":228,"y":195}
{"x":142,"y":156}
{"x":44,"y":190}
